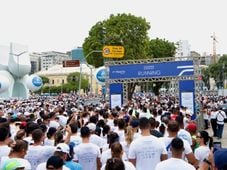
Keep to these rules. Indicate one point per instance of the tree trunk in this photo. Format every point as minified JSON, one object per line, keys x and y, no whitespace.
{"x":131,"y":88}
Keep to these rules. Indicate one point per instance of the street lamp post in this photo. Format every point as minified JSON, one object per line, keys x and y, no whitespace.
{"x":91,"y":52}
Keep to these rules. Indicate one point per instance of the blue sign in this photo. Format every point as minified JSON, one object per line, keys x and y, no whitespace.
{"x":117,"y":91}
{"x":37,"y":81}
{"x":151,"y":70}
{"x":187,"y":95}
{"x":101,"y":75}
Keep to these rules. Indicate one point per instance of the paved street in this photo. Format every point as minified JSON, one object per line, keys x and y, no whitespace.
{"x":224,"y":137}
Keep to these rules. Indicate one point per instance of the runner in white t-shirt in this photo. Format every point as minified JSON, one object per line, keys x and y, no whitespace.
{"x":174,"y":163}
{"x":37,"y":153}
{"x":146,"y":151}
{"x":17,"y":153}
{"x":173,"y":129}
{"x":4,"y":141}
{"x":117,"y":153}
{"x":205,"y":142}
{"x":86,"y":153}
{"x":75,"y":137}
{"x":61,"y":151}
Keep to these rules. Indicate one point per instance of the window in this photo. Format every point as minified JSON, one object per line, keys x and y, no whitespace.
{"x":52,"y":81}
{"x":62,"y":81}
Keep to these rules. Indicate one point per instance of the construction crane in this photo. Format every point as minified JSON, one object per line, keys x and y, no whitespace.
{"x":214,"y":56}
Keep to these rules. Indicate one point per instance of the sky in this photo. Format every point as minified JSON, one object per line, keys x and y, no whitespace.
{"x":61,"y":25}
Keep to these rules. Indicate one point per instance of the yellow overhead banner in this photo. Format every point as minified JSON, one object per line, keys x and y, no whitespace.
{"x":113,"y":51}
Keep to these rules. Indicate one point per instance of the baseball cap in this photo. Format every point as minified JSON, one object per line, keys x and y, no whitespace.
{"x":54,"y":162}
{"x":188,"y":112}
{"x":62,"y":147}
{"x":134,"y":123}
{"x":74,"y":109}
{"x":27,"y":113}
{"x":12,"y":164}
{"x":220,"y":158}
{"x":91,"y":126}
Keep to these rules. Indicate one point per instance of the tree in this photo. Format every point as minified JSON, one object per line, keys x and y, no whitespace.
{"x":44,"y":79}
{"x":73,"y":82}
{"x":128,"y":31}
{"x":160,"y":48}
{"x":206,"y":77}
{"x":218,"y":71}
{"x":124,"y":30}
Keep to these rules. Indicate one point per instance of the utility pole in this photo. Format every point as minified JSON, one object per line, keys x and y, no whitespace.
{"x":80,"y":78}
{"x":214,"y":56}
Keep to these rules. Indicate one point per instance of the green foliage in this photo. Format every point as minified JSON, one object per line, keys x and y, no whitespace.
{"x":218,"y":71}
{"x":128,"y":31}
{"x":124,"y":30}
{"x":44,"y":79}
{"x":206,"y":77}
{"x":71,"y":86}
{"x":73,"y":78}
{"x":73,"y":82}
{"x":159,"y":48}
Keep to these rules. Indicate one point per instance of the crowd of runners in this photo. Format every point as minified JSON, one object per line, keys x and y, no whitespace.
{"x":147,"y":133}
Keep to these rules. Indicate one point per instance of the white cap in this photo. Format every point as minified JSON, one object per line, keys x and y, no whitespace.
{"x":27,"y":113}
{"x":91,"y":126}
{"x":74,"y":109}
{"x":19,"y":113}
{"x":62,"y":147}
{"x":188,"y":112}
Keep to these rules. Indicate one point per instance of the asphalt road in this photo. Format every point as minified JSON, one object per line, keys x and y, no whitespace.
{"x":224,"y":136}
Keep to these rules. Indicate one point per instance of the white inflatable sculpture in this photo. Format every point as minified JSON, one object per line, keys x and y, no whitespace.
{"x":15,"y":66}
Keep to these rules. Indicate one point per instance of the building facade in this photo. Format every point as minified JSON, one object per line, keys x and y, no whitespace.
{"x":183,"y":49}
{"x":51,"y":58}
{"x":35,"y":62}
{"x":57,"y":75}
{"x":77,"y":54}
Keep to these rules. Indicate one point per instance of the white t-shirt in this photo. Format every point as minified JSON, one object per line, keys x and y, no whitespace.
{"x":4,"y":150}
{"x":42,"y":166}
{"x":125,"y":147}
{"x":48,"y":142}
{"x":147,"y":151}
{"x":201,"y":153}
{"x":86,"y":154}
{"x":54,"y":124}
{"x":110,"y":122}
{"x":167,"y":142}
{"x":184,"y":134}
{"x":136,"y":135}
{"x":174,"y":164}
{"x":62,"y":120}
{"x":29,"y":140}
{"x":128,"y":166}
{"x":95,"y":139}
{"x":38,"y":154}
{"x":213,"y":115}
{"x":121,"y":134}
{"x":76,"y":139}
{"x":107,"y":155}
{"x":23,"y":162}
{"x":221,"y":116}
